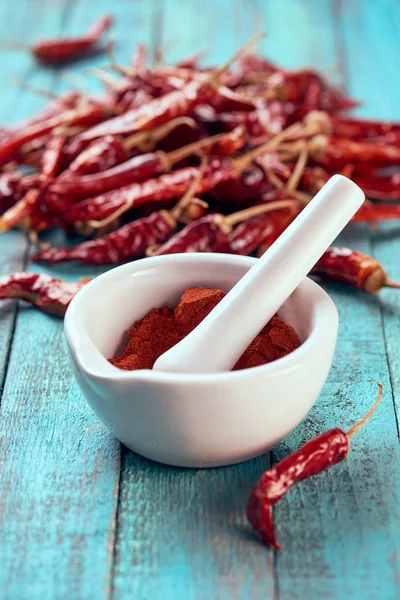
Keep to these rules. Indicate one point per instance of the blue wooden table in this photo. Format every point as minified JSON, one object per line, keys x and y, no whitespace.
{"x":82,"y":517}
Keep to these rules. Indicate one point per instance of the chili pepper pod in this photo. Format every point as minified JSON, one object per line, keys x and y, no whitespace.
{"x":99,"y":155}
{"x":143,"y":167}
{"x":99,"y":210}
{"x":62,"y":50}
{"x":52,"y":156}
{"x":10,"y":189}
{"x":128,"y":242}
{"x":43,"y":291}
{"x":352,"y":268}
{"x":176,"y":103}
{"x":262,"y":231}
{"x":211,"y":232}
{"x":316,"y":456}
{"x":13,"y":142}
{"x":376,"y":213}
{"x":379,"y":187}
{"x":362,"y":129}
{"x":335,"y":153}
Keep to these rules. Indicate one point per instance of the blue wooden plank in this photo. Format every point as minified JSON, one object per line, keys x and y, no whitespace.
{"x":14,"y":106}
{"x":60,"y":464}
{"x":380,"y":92}
{"x":342,"y":529}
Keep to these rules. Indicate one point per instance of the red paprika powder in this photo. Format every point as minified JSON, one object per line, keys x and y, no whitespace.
{"x":163,"y":327}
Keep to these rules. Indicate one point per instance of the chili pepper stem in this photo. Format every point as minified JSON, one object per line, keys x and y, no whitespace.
{"x":392,"y":284}
{"x":298,"y":171}
{"x":244,"y":161}
{"x":108,"y":80}
{"x":181,"y":153}
{"x":260,"y":209}
{"x":369,"y":414}
{"x":35,"y":90}
{"x":177,"y":211}
{"x":302,"y":197}
{"x":158,"y":133}
{"x":124,"y":71}
{"x":243,"y":50}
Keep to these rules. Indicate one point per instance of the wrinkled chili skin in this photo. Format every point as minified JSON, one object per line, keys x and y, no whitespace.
{"x":358,"y":129}
{"x":316,"y":456}
{"x":376,"y":213}
{"x":127,"y":243}
{"x":346,"y":266}
{"x":261,"y":230}
{"x":138,"y":168}
{"x":99,"y":155}
{"x":157,"y":112}
{"x":202,"y":235}
{"x":52,"y":156}
{"x":382,"y":187}
{"x":43,"y":291}
{"x":163,"y":188}
{"x":10,"y":189}
{"x":12,"y":143}
{"x":63,"y":50}
{"x":335,"y":153}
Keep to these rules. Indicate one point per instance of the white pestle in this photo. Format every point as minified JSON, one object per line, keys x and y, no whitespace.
{"x":220,"y":339}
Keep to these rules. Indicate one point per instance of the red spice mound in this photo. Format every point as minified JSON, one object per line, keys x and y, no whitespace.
{"x":195,"y":304}
{"x":162,"y":328}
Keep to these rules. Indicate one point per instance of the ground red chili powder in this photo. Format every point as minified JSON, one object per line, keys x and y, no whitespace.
{"x":162,"y":328}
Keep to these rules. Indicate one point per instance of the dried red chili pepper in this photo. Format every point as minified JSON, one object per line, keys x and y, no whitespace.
{"x":55,"y":107}
{"x":101,"y":154}
{"x":307,"y":89}
{"x":10,"y":189}
{"x":335,"y":153}
{"x":143,"y":167}
{"x":174,"y":104}
{"x":162,"y":189}
{"x":10,"y":145}
{"x":211,"y":233}
{"x":379,"y":187}
{"x":316,"y":456}
{"x":99,"y":210}
{"x":377,"y":213}
{"x":144,"y":141}
{"x":43,"y":291}
{"x":21,"y":211}
{"x":62,"y":50}
{"x":157,"y":112}
{"x":261,"y":231}
{"x":352,"y":268}
{"x":358,"y":129}
{"x":52,"y":156}
{"x":127,"y":243}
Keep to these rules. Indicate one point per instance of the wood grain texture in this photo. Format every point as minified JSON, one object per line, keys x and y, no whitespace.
{"x":59,"y":465}
{"x":70,"y":527}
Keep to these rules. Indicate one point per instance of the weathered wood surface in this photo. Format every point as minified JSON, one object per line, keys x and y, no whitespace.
{"x":82,"y":518}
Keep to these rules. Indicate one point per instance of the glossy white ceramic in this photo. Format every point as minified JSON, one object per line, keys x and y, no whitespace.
{"x":199,"y":420}
{"x":265,"y":287}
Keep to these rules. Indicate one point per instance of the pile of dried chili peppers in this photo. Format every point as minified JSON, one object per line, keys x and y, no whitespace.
{"x":182,"y":158}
